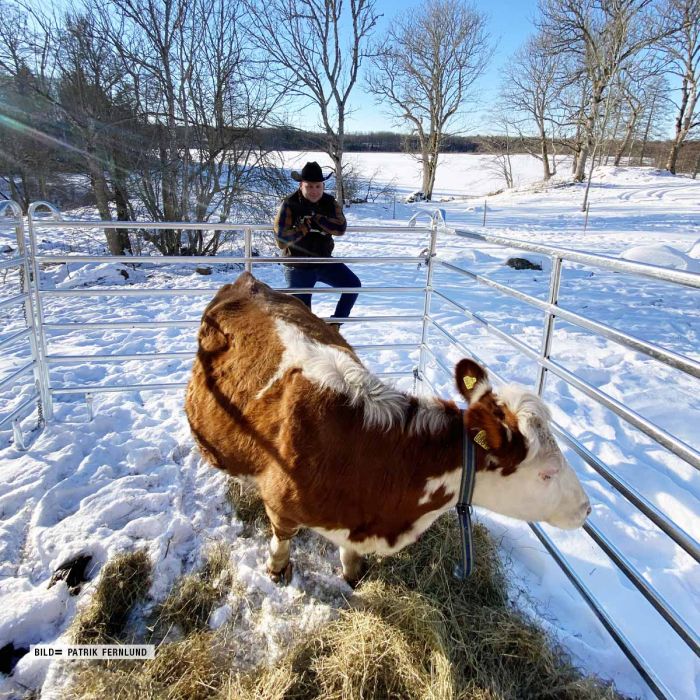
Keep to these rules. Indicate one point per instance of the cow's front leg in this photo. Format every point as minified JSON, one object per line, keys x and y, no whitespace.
{"x":278,"y":564}
{"x":354,"y":566}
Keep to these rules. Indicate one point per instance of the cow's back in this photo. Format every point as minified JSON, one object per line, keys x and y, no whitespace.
{"x":239,"y":350}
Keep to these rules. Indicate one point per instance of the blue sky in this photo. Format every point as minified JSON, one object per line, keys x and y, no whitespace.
{"x":509,"y":24}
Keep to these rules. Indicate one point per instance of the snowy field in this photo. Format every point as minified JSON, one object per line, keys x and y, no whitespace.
{"x":131,"y":478}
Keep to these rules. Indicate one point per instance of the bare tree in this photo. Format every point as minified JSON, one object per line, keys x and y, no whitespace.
{"x":654,"y":115}
{"x":28,"y":131}
{"x":529,"y":92}
{"x":88,"y":93}
{"x":189,"y":73}
{"x":682,"y":50}
{"x":636,"y":90}
{"x":424,"y":69}
{"x":310,"y":58}
{"x":604,"y":34}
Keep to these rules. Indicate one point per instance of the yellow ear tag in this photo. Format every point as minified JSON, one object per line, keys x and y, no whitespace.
{"x":481,"y":441}
{"x":469,"y":382}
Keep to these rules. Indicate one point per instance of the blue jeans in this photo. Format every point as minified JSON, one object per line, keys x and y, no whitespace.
{"x":332,"y":274}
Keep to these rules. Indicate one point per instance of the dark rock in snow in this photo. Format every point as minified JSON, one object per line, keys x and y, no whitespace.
{"x":72,"y":572}
{"x":9,"y":656}
{"x":203,"y":270}
{"x":522,"y":264}
{"x":6,"y":249}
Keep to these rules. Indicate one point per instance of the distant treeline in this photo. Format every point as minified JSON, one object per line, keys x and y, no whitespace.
{"x":651,"y":153}
{"x":288,"y":139}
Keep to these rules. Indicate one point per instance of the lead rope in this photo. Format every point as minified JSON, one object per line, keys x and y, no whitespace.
{"x":464,"y":510}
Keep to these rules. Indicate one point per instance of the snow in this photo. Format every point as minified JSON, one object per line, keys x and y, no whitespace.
{"x":662,"y":255}
{"x":131,"y":478}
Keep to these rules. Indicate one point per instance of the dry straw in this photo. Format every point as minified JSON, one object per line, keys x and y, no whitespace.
{"x":410,"y":632}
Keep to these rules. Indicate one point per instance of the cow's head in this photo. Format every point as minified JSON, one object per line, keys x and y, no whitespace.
{"x":521,"y":470}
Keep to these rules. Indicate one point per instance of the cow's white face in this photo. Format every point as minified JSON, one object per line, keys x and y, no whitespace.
{"x":544,"y":487}
{"x":526,"y":475}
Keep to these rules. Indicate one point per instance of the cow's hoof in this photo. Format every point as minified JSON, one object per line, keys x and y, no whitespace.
{"x":282,"y":577}
{"x":355,"y":581}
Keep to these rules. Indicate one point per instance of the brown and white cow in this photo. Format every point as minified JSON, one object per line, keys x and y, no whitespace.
{"x":279,"y":396}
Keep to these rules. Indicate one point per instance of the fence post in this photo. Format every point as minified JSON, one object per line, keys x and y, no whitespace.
{"x":43,"y":379}
{"x":549,"y":318}
{"x":428,"y":292}
{"x":248,"y":248}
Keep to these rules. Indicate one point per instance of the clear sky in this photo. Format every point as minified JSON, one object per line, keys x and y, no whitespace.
{"x":509,"y":23}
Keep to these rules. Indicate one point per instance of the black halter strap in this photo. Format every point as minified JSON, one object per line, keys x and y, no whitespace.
{"x":464,"y":508}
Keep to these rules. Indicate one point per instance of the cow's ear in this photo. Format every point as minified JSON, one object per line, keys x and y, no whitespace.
{"x":485,"y":429}
{"x":472,"y":380}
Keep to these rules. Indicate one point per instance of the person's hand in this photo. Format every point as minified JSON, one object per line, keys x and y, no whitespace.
{"x":304,"y":225}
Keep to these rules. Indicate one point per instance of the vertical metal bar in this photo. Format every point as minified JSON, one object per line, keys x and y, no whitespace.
{"x":549,"y":320}
{"x":428,"y":294}
{"x":42,"y":367}
{"x":248,"y":247}
{"x":29,"y":315}
{"x":89,"y":404}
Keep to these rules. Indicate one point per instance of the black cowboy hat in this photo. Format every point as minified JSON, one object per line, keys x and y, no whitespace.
{"x":311,"y":172}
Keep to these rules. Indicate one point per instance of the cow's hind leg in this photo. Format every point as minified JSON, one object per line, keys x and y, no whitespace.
{"x":278,"y":564}
{"x":354,"y":566}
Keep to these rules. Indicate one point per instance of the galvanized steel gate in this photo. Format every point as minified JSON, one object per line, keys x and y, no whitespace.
{"x":31,"y":298}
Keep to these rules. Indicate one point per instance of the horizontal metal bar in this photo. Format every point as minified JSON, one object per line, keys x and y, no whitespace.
{"x":670,"y":442}
{"x":458,"y":343}
{"x":17,"y":411}
{"x":688,"y":279}
{"x":11,"y":262}
{"x":155,"y":325}
{"x":110,"y":388}
{"x":12,"y":301}
{"x":109,"y":359}
{"x":201,"y":225}
{"x":661,"y":520}
{"x":223,"y":259}
{"x":664,"y":609}
{"x":373,"y":319}
{"x":210,"y":291}
{"x":10,"y":379}
{"x":431,"y":386}
{"x":493,"y":329}
{"x":668,"y":357}
{"x":615,"y":632}
{"x":670,"y":528}
{"x":172,"y":386}
{"x":14,"y":336}
{"x":122,"y":325}
{"x":389,"y":346}
{"x":449,"y":372}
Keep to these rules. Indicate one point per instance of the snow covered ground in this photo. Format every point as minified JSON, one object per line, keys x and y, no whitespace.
{"x":131,"y":478}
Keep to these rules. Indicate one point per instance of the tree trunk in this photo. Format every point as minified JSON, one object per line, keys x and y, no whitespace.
{"x":647,"y":129}
{"x":580,"y":170}
{"x":673,"y":155}
{"x":626,"y":141}
{"x":545,"y":155}
{"x":122,"y":202}
{"x":99,"y":188}
{"x":683,"y":122}
{"x":425,"y":160}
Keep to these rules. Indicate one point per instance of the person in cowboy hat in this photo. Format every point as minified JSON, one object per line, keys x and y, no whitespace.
{"x":304,"y":227}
